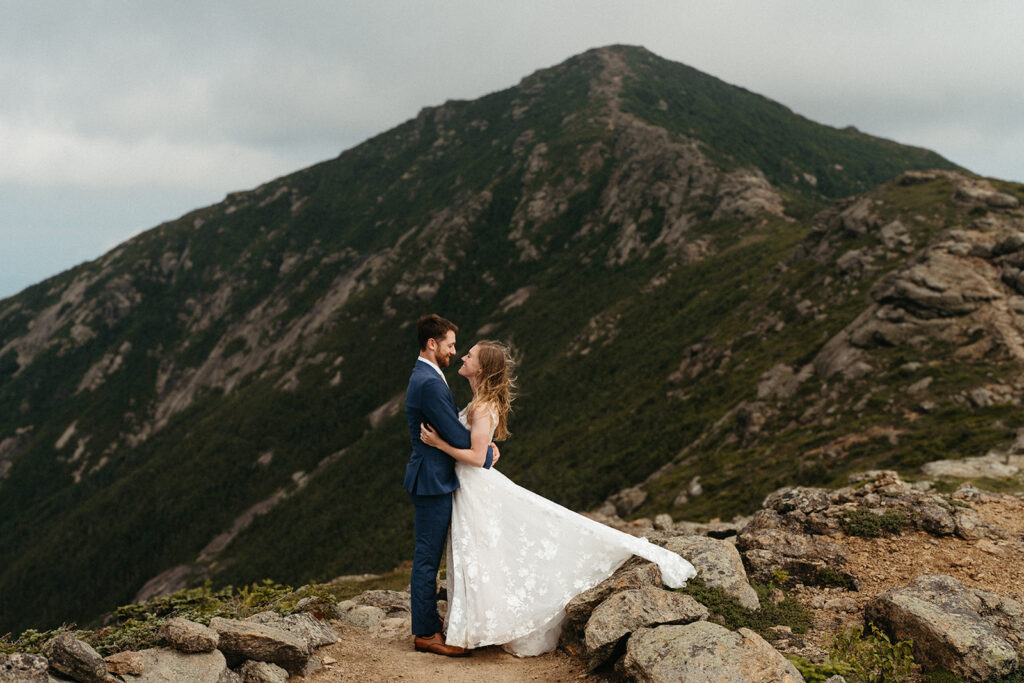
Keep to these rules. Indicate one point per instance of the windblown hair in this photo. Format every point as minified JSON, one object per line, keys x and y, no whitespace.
{"x":434,"y":327}
{"x":497,"y":383}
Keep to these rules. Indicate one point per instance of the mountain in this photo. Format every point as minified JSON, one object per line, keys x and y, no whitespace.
{"x":700,"y":283}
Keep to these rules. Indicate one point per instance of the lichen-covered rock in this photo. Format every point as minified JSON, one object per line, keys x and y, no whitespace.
{"x":262,"y":672}
{"x":718,"y":564}
{"x":394,"y":603}
{"x":315,"y":632}
{"x":635,"y":573}
{"x":936,"y":520}
{"x":162,"y":664}
{"x":625,"y":612}
{"x":188,"y":636}
{"x":249,"y":640}
{"x":74,"y":658}
{"x":21,"y":667}
{"x":703,"y":651}
{"x":363,"y":616}
{"x":970,"y":633}
{"x":802,"y":498}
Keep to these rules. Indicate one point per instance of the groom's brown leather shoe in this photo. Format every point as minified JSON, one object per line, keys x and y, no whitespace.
{"x":436,"y":644}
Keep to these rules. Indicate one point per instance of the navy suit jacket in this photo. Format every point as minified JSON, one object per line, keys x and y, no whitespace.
{"x":428,"y":399}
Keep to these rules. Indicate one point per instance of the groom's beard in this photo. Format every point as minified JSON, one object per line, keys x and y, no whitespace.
{"x":442,"y":360}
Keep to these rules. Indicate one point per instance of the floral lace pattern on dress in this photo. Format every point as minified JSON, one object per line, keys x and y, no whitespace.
{"x":515,"y":559}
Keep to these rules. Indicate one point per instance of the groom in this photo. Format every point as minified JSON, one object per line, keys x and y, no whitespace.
{"x":430,"y":475}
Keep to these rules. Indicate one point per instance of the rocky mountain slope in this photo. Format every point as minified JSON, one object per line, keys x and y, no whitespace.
{"x":711,"y":296}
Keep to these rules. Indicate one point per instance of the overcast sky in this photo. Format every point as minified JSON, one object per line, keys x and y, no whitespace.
{"x":117,"y":116}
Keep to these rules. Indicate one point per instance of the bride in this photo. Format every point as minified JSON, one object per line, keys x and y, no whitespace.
{"x":515,"y":559}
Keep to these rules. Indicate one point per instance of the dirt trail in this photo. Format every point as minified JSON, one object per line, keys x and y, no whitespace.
{"x":365,"y":656}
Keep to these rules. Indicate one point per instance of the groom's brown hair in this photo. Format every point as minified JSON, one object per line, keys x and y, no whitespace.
{"x":433,"y":326}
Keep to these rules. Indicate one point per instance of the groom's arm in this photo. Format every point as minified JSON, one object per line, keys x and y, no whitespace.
{"x":441,"y":415}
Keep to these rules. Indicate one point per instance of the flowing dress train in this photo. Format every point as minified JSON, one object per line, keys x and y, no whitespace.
{"x":515,"y":559}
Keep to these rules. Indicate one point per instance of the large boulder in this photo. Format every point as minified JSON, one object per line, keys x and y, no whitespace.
{"x":973,"y":634}
{"x":21,"y":667}
{"x":188,"y":636}
{"x":718,"y":564}
{"x":703,"y":651}
{"x":635,"y":573}
{"x":241,"y":640}
{"x":625,"y":612}
{"x":75,"y":659}
{"x":162,"y":664}
{"x":315,"y":632}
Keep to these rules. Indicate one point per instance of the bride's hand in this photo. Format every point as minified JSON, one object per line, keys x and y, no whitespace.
{"x":496,"y":453}
{"x":429,"y":436}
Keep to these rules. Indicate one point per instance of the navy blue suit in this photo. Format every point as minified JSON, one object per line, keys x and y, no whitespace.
{"x":430,"y":479}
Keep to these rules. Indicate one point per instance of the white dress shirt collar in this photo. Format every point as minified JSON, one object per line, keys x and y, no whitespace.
{"x":433,"y":365}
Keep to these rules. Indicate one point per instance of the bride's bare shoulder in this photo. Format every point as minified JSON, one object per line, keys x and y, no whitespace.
{"x":485,"y":411}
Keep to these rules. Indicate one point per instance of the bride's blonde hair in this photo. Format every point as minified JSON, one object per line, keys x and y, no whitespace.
{"x":496,"y":385}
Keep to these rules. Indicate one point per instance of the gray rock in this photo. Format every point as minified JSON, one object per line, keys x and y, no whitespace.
{"x":936,"y":520}
{"x":75,"y":659}
{"x":663,"y":522}
{"x":703,"y":651}
{"x":1001,"y":200}
{"x":364,"y":616}
{"x":719,"y":564}
{"x":315,"y":632}
{"x":969,"y":524}
{"x":250,"y":640}
{"x":394,"y":603}
{"x":21,"y":667}
{"x":992,"y":466}
{"x":627,"y":500}
{"x":188,"y":636}
{"x":314,"y":664}
{"x":625,"y":612}
{"x":262,"y":672}
{"x":162,"y":664}
{"x":951,"y":626}
{"x":635,"y":573}
{"x":802,"y":498}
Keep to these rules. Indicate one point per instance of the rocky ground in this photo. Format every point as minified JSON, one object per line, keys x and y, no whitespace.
{"x":947,"y":573}
{"x":362,"y":655}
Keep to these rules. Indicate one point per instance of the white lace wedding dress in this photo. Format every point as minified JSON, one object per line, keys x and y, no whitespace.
{"x":515,"y":559}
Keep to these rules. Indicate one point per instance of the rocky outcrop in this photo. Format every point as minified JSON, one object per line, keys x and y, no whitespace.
{"x":718,"y":564}
{"x":704,"y":652}
{"x":746,"y":193}
{"x":241,"y":640}
{"x":974,"y":634}
{"x":628,"y":611}
{"x":636,"y":573}
{"x":162,"y":664}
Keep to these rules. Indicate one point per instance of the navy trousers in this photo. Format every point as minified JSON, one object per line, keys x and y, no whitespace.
{"x":433,"y":515}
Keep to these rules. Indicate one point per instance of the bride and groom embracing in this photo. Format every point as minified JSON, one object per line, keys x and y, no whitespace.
{"x":514,"y":559}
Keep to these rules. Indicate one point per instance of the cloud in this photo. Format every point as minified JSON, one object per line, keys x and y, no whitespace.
{"x":37,"y":155}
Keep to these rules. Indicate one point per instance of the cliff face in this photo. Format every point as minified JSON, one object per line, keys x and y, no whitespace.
{"x":221,"y":396}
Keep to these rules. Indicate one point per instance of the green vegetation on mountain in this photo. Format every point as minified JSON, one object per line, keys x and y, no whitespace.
{"x":222,"y":395}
